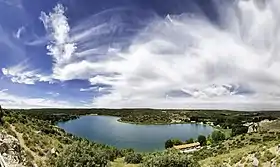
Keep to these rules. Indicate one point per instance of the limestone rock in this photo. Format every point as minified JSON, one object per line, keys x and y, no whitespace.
{"x":255,"y":162}
{"x":11,"y":151}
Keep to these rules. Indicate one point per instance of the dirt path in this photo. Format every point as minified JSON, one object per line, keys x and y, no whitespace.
{"x":23,"y":145}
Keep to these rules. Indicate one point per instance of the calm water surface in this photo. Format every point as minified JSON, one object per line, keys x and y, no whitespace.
{"x":107,"y":130}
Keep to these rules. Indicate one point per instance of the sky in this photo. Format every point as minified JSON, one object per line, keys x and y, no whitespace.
{"x":206,"y":54}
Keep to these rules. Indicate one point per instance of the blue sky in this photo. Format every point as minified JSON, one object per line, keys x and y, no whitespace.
{"x":140,"y":53}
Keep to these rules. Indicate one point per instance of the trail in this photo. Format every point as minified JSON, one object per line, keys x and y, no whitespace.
{"x":26,"y":148}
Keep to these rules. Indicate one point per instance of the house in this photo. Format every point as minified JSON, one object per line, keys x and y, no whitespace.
{"x":186,"y":148}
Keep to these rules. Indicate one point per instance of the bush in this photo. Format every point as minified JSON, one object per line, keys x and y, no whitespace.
{"x":190,"y":141}
{"x":202,"y":140}
{"x":125,"y":152}
{"x":172,"y":142}
{"x":267,"y":156}
{"x":237,"y":130}
{"x":167,"y":159}
{"x":133,"y":158}
{"x":218,"y":136}
{"x":84,"y":153}
{"x":168,"y":144}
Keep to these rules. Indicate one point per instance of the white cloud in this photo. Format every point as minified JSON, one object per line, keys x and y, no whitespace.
{"x":193,"y":55}
{"x":21,"y":74}
{"x":54,"y":94}
{"x":14,"y":3}
{"x":60,"y":47}
{"x":184,"y":54}
{"x":8,"y":100}
{"x":95,"y":89}
{"x":10,"y":46}
{"x":19,"y":32}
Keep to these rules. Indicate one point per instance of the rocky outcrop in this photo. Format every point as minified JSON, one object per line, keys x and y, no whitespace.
{"x":252,"y":127}
{"x":12,"y":153}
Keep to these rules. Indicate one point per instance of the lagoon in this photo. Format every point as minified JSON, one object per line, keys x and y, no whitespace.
{"x":142,"y":138}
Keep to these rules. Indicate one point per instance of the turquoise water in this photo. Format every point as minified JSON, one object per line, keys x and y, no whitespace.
{"x":107,"y":130}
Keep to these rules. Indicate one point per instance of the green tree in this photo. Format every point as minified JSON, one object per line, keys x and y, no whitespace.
{"x":172,"y":142}
{"x":237,"y":130}
{"x":190,"y":141}
{"x":218,"y":136}
{"x":202,"y":140}
{"x":177,"y":142}
{"x":85,"y":154}
{"x":168,"y":143}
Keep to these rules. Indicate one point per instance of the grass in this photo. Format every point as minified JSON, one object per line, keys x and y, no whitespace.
{"x":120,"y":163}
{"x":239,"y":154}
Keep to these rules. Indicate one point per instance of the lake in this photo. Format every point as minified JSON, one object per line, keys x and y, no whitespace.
{"x":143,"y":138}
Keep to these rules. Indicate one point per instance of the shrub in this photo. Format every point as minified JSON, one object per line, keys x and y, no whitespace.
{"x":168,"y":143}
{"x":133,"y":158}
{"x":167,"y":159}
{"x":236,"y":158}
{"x":237,"y":130}
{"x":171,"y":142}
{"x":218,"y":136}
{"x":190,"y":141}
{"x":202,"y":140}
{"x":267,"y":156}
{"x":177,"y":142}
{"x":84,"y":153}
{"x":125,"y":152}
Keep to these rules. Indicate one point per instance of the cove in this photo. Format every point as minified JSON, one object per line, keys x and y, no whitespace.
{"x":142,"y":138}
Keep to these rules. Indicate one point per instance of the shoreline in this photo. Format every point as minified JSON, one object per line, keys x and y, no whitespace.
{"x":155,"y":124}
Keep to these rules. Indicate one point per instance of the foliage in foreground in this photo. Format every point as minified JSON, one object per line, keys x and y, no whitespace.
{"x":85,"y":154}
{"x":169,"y":158}
{"x":133,"y":158}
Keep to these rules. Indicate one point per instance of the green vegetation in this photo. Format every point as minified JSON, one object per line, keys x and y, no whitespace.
{"x":218,"y":136}
{"x":86,"y":154}
{"x":169,"y":158}
{"x":172,"y":142}
{"x":214,"y":138}
{"x":190,"y":141}
{"x":202,"y":140}
{"x":239,"y":129}
{"x":133,"y":158}
{"x":48,"y":145}
{"x":1,"y":116}
{"x":224,"y":118}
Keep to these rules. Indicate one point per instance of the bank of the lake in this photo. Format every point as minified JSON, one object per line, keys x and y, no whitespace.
{"x":144,"y":138}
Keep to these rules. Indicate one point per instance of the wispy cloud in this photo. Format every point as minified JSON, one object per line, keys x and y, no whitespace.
{"x":9,"y":44}
{"x":179,"y":61}
{"x":14,"y":3}
{"x":54,"y":94}
{"x":8,"y":100}
{"x":22,"y":74}
{"x":19,"y":32}
{"x":192,"y":55}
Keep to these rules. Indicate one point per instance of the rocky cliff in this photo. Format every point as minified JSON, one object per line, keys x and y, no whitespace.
{"x":11,"y":151}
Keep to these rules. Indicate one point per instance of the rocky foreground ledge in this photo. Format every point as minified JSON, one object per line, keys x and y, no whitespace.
{"x":11,"y":151}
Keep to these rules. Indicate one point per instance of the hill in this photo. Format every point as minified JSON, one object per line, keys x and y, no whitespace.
{"x":44,"y":144}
